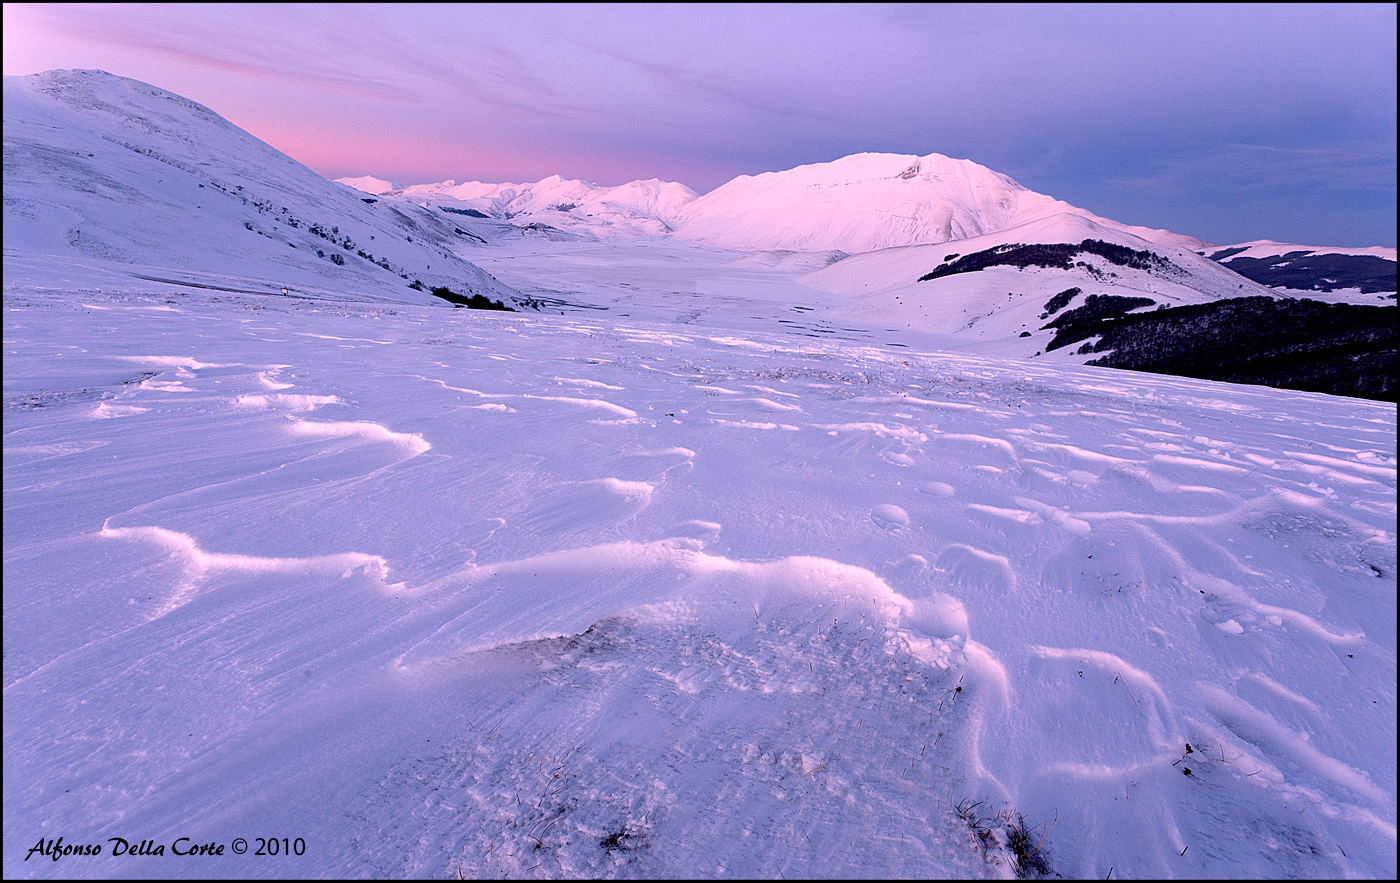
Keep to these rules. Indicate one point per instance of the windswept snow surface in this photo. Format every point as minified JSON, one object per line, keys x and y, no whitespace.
{"x":434,"y":592}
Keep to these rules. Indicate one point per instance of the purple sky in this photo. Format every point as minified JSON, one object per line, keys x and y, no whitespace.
{"x":1229,"y":123}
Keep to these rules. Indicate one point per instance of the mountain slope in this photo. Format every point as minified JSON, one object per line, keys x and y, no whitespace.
{"x":1034,"y":290}
{"x":1002,"y":302}
{"x":123,"y":182}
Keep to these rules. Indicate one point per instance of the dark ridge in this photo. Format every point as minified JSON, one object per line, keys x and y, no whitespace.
{"x":1340,"y":349}
{"x":368,"y":200}
{"x":1058,"y":255}
{"x":1227,"y":252}
{"x":1306,"y":271}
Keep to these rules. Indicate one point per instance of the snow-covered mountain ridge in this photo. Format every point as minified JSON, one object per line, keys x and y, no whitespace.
{"x":138,"y":182}
{"x":637,"y":208}
{"x":858,"y":203}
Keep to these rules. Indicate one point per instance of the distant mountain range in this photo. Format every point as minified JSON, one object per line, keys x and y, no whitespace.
{"x":865,"y":203}
{"x":859,"y":203}
{"x":107,"y":175}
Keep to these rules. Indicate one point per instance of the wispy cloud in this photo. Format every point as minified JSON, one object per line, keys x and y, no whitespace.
{"x":247,"y":48}
{"x":1358,"y":167}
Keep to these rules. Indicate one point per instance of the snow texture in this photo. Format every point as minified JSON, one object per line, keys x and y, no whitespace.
{"x":551,"y":596}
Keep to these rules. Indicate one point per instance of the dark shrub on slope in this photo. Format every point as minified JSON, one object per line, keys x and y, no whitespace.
{"x":1316,"y":272}
{"x":475,"y":302}
{"x":1291,"y":344}
{"x":469,"y":212}
{"x":1096,"y":306}
{"x":1059,"y":301}
{"x":1059,"y":255}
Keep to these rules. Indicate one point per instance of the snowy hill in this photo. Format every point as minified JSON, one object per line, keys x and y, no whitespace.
{"x":1000,"y":302}
{"x":1035,"y":290}
{"x":127,"y":182}
{"x":1335,"y":275}
{"x":873,"y":201}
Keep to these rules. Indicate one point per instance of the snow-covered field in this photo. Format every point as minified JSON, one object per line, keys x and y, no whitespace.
{"x":690,"y":586}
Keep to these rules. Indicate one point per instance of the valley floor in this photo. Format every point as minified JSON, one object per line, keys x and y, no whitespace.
{"x":435,"y":591}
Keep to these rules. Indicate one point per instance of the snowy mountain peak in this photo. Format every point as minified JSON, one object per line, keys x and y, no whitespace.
{"x":142,"y":103}
{"x":870,"y":201}
{"x":864,"y":167}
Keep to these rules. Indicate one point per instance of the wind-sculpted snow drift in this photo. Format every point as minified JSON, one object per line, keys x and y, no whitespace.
{"x":442,"y":592}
